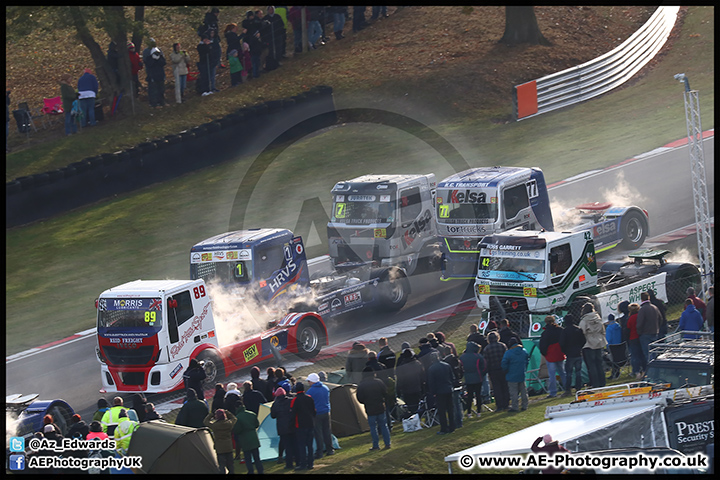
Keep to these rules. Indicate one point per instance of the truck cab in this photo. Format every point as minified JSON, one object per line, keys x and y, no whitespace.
{"x":386,"y":220}
{"x":148,"y":329}
{"x":482,"y":201}
{"x":534,"y":271}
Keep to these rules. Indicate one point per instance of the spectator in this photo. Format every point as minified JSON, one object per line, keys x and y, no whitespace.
{"x":410,"y":379}
{"x":550,"y":448}
{"x":257,"y":382}
{"x":572,"y":341}
{"x":219,"y":397}
{"x":457,"y":393}
{"x":623,"y":319}
{"x":506,"y":333}
{"x":282,"y":380}
{"x":637,"y":359}
{"x":699,"y":304}
{"x":282,"y":11}
{"x":150,"y":413}
{"x":123,"y":432}
{"x":442,"y":341}
{"x":371,"y":392}
{"x":221,"y":424}
{"x":710,"y":309}
{"x":320,"y":394}
{"x":295,"y":18}
{"x":68,"y":95}
{"x":88,"y":90}
{"x":339,"y":14}
{"x":245,"y":432}
{"x":302,"y":410}
{"x":78,"y":428}
{"x":214,"y":60}
{"x":96,"y":433}
{"x":138,"y":405}
{"x":401,"y":358}
{"x":690,"y":320}
{"x":378,"y":11}
{"x":236,"y":69}
{"x":280,"y":410}
{"x":211,"y":28}
{"x":356,"y":360}
{"x":474,"y":367}
{"x":193,"y":412}
{"x":613,"y":335}
{"x":135,"y":66}
{"x":662,"y":328}
{"x":434,"y":342}
{"x":314,"y":28}
{"x":440,"y":386}
{"x":155,"y":70}
{"x":592,"y":327}
{"x":493,"y":355}
{"x":194,"y":377}
{"x":648,"y":324}
{"x":276,"y":32}
{"x":476,"y":336}
{"x":103,"y":406}
{"x":113,"y":58}
{"x":253,"y":39}
{"x":377,"y":367}
{"x":233,"y":39}
{"x":514,"y":362}
{"x":358,"y":19}
{"x":270,"y":382}
{"x":554,"y":357}
{"x":386,"y":356}
{"x":232,"y":400}
{"x":252,"y":398}
{"x":203,"y":83}
{"x":382,"y":373}
{"x":180,"y":62}
{"x":111,"y":416}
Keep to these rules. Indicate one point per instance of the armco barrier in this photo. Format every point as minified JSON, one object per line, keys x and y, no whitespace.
{"x":243,"y":132}
{"x":597,"y":76}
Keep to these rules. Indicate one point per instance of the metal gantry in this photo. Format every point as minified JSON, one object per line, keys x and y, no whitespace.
{"x":700,"y":195}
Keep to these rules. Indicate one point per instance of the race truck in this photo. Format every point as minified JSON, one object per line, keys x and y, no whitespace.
{"x":387,"y":220}
{"x":268,"y":266}
{"x":524,"y":275}
{"x":486,"y":200}
{"x":149,"y":330}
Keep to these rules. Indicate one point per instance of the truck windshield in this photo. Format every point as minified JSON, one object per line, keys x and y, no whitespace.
{"x":225,"y":272}
{"x":508,"y":268}
{"x":130,"y":313}
{"x":467,"y":206}
{"x":363,"y":209}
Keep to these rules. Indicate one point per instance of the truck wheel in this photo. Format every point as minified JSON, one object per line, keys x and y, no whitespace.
{"x":633,"y":228}
{"x":394,"y":290}
{"x":309,"y":338}
{"x":214,"y":369}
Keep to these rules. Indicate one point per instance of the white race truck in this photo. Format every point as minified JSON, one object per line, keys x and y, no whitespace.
{"x":148,"y":330}
{"x":522,"y":272}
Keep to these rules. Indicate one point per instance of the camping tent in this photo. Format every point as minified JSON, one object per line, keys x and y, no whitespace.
{"x":168,"y":448}
{"x":347,"y":414}
{"x":267,"y":433}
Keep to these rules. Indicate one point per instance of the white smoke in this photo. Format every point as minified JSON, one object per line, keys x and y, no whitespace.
{"x":11,"y":424}
{"x":683,"y":255}
{"x":622,"y":194}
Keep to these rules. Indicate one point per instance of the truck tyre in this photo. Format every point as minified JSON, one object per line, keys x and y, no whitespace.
{"x":394,"y":289}
{"x":633,"y":228}
{"x":214,"y":368}
{"x":310,"y":338}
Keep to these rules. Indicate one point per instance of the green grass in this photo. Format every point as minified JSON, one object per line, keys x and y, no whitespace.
{"x":56,"y":268}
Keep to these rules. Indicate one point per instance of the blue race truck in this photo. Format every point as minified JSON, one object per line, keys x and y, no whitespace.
{"x":268,"y":265}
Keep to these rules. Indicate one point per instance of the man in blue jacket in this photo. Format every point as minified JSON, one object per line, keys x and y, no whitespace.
{"x":690,"y":320}
{"x":87,"y":93}
{"x":514,"y":363}
{"x":320,"y":394}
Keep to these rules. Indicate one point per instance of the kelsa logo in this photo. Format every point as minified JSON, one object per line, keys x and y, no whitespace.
{"x":417,"y":227}
{"x":456,"y":196}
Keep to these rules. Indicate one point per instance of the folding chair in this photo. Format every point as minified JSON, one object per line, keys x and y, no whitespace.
{"x":536,"y":379}
{"x":52,"y":109}
{"x":428,"y":414}
{"x":618,"y":358}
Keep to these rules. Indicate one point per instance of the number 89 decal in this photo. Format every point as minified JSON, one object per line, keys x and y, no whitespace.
{"x":199,"y":291}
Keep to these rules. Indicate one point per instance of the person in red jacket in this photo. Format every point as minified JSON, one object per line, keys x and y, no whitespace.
{"x":637,"y":360}
{"x":554,"y":357}
{"x":135,"y":66}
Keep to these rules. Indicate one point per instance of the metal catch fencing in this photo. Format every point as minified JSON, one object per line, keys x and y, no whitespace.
{"x":599,"y":75}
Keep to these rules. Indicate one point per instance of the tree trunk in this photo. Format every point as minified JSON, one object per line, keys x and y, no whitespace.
{"x":137,"y":30}
{"x":103,"y":71}
{"x":521,"y":27}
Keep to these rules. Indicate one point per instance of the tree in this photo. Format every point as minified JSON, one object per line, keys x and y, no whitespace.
{"x":521,"y":27}
{"x":111,"y":18}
